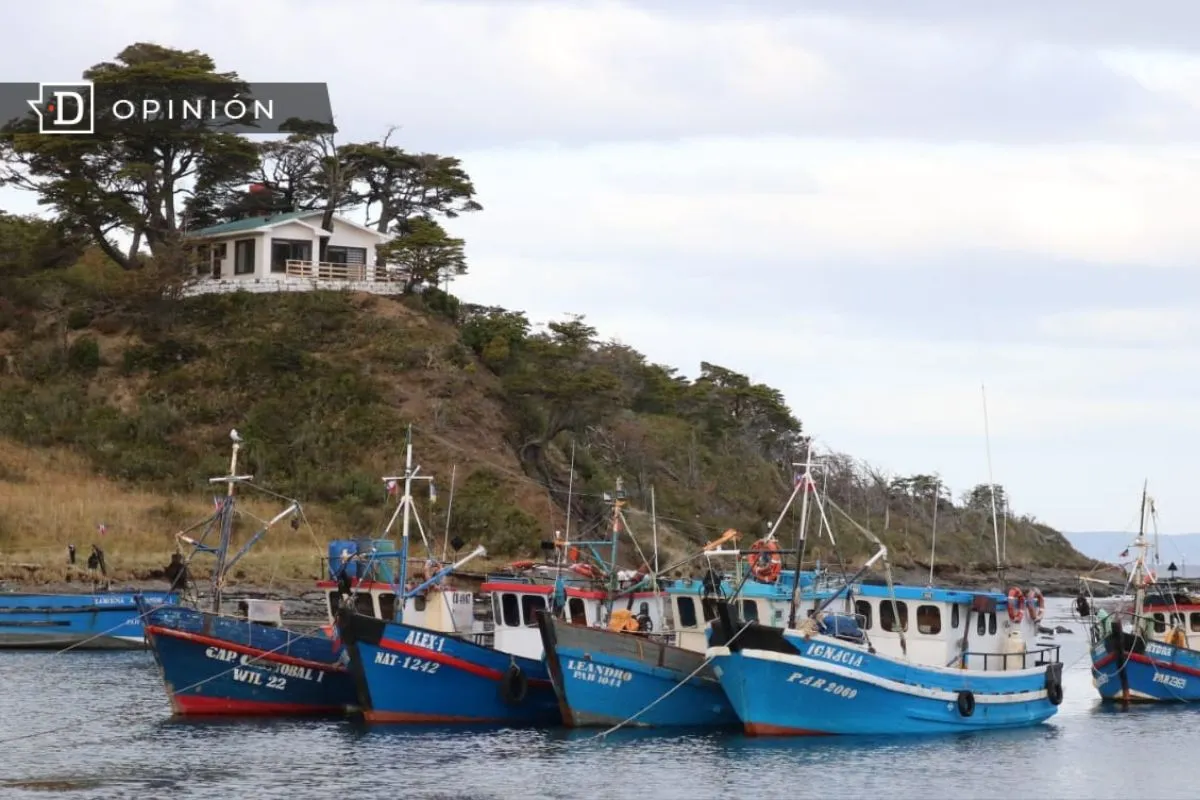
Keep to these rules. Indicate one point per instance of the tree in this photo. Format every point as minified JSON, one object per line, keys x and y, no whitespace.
{"x":427,"y":254}
{"x":29,"y":244}
{"x":132,"y":177}
{"x":756,"y":413}
{"x":401,"y":186}
{"x":979,"y":498}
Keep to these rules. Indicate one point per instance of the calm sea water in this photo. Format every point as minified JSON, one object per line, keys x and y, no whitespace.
{"x":113,"y":738}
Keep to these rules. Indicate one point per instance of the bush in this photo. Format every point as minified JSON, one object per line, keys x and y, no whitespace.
{"x":83,"y":356}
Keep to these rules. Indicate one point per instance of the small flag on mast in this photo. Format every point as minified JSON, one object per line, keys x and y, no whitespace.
{"x":1124,"y":553}
{"x":803,"y":479}
{"x":393,"y":487}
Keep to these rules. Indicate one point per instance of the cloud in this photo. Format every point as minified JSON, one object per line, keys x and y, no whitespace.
{"x":1128,"y":326}
{"x":461,"y":75}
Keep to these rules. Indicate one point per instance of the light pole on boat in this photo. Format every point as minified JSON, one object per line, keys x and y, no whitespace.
{"x":801,"y":485}
{"x":405,"y":507}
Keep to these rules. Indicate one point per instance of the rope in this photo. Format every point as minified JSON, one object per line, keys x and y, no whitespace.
{"x":666,"y":694}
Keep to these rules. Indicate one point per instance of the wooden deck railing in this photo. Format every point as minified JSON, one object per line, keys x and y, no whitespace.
{"x":328,"y":271}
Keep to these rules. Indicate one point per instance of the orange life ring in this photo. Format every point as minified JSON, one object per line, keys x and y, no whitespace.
{"x":765,"y":561}
{"x":586,"y":570}
{"x":518,"y":565}
{"x":1035,"y":601}
{"x":1016,"y":604}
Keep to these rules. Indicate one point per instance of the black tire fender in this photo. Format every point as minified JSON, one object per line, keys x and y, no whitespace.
{"x":514,"y":685}
{"x":966,"y":702}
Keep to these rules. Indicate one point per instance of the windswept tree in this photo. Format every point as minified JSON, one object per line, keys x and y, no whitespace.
{"x":132,"y":177}
{"x":427,"y":254}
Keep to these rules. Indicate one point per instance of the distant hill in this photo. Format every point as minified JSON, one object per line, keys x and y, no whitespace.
{"x":1181,"y":548}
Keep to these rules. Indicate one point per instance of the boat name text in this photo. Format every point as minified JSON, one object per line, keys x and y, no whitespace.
{"x":425,"y":641}
{"x":835,"y":654}
{"x":597,"y":673}
{"x":254,"y":669}
{"x":408,"y":662}
{"x":1170,"y":681}
{"x":1156,"y":649}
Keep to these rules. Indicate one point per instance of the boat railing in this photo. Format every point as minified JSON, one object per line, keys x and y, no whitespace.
{"x":1043,"y":656}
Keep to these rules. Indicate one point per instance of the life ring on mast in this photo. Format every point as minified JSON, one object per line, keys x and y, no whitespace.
{"x":1035,"y":601}
{"x":520,"y":565}
{"x":765,"y":561}
{"x":586,"y":570}
{"x":1016,"y":604}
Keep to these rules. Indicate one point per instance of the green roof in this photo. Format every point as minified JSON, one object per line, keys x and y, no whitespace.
{"x":249,"y":223}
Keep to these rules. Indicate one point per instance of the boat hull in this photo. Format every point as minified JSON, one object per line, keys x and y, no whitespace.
{"x":406,"y":674}
{"x":604,"y":678}
{"x":104,"y":621}
{"x":784,"y":684}
{"x":226,"y":666}
{"x":1136,"y":671}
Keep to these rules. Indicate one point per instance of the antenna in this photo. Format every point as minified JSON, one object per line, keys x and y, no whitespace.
{"x":449,"y":508}
{"x":937,"y":490}
{"x":987,"y":438}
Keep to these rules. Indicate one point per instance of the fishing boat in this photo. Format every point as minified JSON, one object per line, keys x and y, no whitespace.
{"x":108,"y":620}
{"x":635,"y":672}
{"x":861,"y":669}
{"x":247,"y":663}
{"x":408,"y":673}
{"x":1148,"y":649}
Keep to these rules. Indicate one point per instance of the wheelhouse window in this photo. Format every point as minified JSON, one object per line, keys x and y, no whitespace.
{"x":387,"y":606}
{"x":243,"y":257}
{"x":887,"y":615}
{"x":687,"y":612}
{"x":1195,"y":621}
{"x":333,"y":603}
{"x":285,"y":250}
{"x":577,"y":611}
{"x":364,"y":603}
{"x":530,"y":605}
{"x":992,"y":623}
{"x":749,"y":610}
{"x":1176,"y":619}
{"x":510,"y":610}
{"x":954,"y":616}
{"x":1160,"y":623}
{"x":981,"y":624}
{"x":710,"y":609}
{"x":862,"y":609}
{"x":929,"y":620}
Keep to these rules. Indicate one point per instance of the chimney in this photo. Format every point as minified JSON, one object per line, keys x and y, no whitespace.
{"x":258,"y":200}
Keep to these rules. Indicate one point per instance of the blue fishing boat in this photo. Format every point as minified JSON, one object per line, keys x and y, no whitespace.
{"x":862,"y":669}
{"x":1149,"y":650}
{"x":634,"y":672}
{"x":110,"y":620}
{"x":247,"y":663}
{"x":407,"y":672}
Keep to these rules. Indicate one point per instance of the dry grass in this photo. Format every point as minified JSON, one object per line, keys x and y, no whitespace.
{"x":49,"y":499}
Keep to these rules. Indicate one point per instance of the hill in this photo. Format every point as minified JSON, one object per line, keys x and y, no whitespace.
{"x":116,"y":402}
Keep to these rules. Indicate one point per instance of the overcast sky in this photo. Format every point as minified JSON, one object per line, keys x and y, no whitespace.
{"x":875,"y":210}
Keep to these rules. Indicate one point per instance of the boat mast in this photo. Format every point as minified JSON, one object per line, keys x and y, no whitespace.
{"x":218,"y":579}
{"x":1139,"y":564}
{"x":937,"y":490}
{"x":987,"y":438}
{"x":406,"y":505}
{"x":618,"y":501}
{"x":805,"y":480}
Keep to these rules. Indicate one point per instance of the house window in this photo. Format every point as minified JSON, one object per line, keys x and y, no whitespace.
{"x":954,"y":614}
{"x":749,"y":611}
{"x":1196,"y":621}
{"x":887,"y":616}
{"x":243,"y":257}
{"x":577,"y":611}
{"x":202,"y":256}
{"x":530,"y":604}
{"x":336,"y":254}
{"x":687,"y":612}
{"x":285,"y":250}
{"x":512,"y":610}
{"x":863,"y":610}
{"x":929,"y":620}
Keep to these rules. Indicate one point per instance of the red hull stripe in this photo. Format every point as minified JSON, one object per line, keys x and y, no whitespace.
{"x":197,"y":705}
{"x":450,"y":661}
{"x":1153,"y":662}
{"x":402,"y":717}
{"x":760,"y":729}
{"x":278,"y":658}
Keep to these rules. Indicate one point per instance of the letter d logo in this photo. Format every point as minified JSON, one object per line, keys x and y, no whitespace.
{"x":66,"y":107}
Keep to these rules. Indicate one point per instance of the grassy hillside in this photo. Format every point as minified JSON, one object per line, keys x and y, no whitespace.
{"x":116,"y":403}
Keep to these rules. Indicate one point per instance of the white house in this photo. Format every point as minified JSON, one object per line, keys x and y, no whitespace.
{"x":279,"y":252}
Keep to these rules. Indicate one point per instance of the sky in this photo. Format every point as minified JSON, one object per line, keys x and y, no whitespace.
{"x":877,"y":207}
